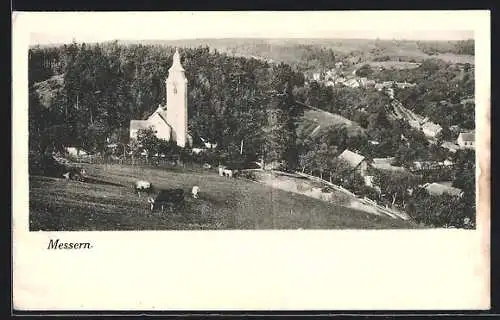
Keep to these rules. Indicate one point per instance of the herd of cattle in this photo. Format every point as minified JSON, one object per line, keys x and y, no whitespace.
{"x":164,"y":199}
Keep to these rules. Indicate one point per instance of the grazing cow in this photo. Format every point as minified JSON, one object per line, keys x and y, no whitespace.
{"x":207,"y":166}
{"x":194,"y":191}
{"x":167,"y":198}
{"x":221,"y":171}
{"x":75,"y":174}
{"x":228,"y":172}
{"x":143,"y":185}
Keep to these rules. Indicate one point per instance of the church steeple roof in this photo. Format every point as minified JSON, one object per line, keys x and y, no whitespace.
{"x":176,"y":63}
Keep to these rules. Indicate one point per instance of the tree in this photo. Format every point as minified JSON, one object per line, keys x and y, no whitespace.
{"x":364,"y":71}
{"x":396,"y":186}
{"x":148,"y":140}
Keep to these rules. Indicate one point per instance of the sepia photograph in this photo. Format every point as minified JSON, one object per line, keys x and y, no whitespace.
{"x":234,"y":160}
{"x":252,"y":133}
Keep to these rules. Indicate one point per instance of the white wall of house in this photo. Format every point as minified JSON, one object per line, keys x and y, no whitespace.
{"x":431,"y":132}
{"x":162,"y":129}
{"x":465,"y":144}
{"x":362,"y":168}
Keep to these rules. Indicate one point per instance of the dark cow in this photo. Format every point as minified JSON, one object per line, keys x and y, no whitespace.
{"x":170,"y":198}
{"x":78,"y":174}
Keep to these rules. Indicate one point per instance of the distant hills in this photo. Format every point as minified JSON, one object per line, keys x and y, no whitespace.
{"x":303,"y":51}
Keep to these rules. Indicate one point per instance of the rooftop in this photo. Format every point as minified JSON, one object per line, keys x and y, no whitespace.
{"x":352,"y":158}
{"x":386,"y":164}
{"x":139,"y":124}
{"x":467,"y":136}
{"x":436,"y":189}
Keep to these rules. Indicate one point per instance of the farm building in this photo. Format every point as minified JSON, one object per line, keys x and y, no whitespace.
{"x":353,"y":83}
{"x":431,"y":129}
{"x":452,"y":147}
{"x":466,"y":140}
{"x":404,"y":85}
{"x":436,"y":189}
{"x":356,"y":161}
{"x":385,"y":164}
{"x":370,"y":83}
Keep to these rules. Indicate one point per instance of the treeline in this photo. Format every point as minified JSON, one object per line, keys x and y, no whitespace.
{"x":301,"y":56}
{"x":105,"y":86}
{"x":456,"y":47}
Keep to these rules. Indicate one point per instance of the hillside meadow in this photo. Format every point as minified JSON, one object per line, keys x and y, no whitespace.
{"x":107,"y":201}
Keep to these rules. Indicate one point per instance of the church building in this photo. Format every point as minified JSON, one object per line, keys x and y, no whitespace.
{"x":170,"y":122}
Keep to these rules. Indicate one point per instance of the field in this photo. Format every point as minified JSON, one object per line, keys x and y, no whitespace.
{"x":107,"y":202}
{"x":399,"y":65}
{"x":311,"y":119}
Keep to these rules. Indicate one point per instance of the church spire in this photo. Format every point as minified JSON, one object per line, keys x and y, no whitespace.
{"x":176,"y":64}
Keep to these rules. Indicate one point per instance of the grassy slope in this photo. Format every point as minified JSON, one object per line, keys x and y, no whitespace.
{"x":312,"y":118}
{"x":48,"y":89}
{"x":56,"y":204}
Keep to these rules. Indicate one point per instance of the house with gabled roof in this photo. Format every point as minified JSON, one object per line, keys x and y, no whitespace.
{"x":431,"y":129}
{"x":452,"y":147}
{"x":466,"y":140}
{"x":356,"y":161}
{"x":437,"y":189}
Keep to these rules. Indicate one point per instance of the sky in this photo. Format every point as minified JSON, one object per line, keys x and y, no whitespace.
{"x":63,"y":27}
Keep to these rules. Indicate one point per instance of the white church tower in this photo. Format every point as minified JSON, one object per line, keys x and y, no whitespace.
{"x":177,"y":113}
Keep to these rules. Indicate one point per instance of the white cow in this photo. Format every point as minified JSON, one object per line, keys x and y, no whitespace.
{"x":228,"y":172}
{"x":221,"y":171}
{"x":142,"y":185}
{"x":194,"y":191}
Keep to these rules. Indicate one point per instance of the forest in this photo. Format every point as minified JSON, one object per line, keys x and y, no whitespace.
{"x":104,"y":86}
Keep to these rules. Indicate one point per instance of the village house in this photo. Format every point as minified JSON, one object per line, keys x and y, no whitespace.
{"x":387,"y":84}
{"x":466,"y":140}
{"x":339,"y":81}
{"x":385,"y":164}
{"x":316,"y":76}
{"x":353,"y":83}
{"x":431,"y":129}
{"x":404,"y":85}
{"x":437,"y":189}
{"x":330,"y":75}
{"x":379,"y":86}
{"x":452,"y":147}
{"x":362,"y":81}
{"x":466,"y":101}
{"x":356,"y":161}
{"x":370,"y":83}
{"x":339,"y":65}
{"x":390,"y":92}
{"x":170,"y":121}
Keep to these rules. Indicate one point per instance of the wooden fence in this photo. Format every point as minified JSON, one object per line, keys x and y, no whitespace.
{"x":170,"y":161}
